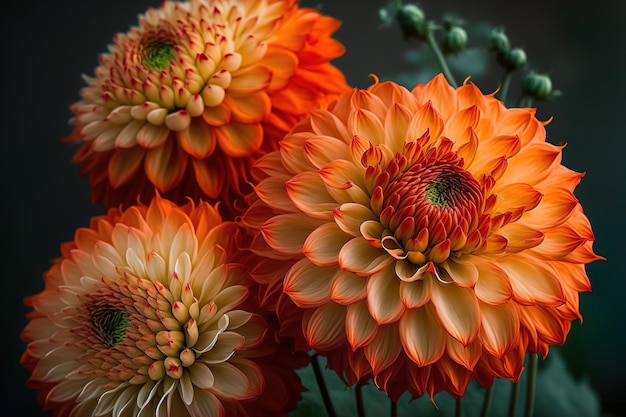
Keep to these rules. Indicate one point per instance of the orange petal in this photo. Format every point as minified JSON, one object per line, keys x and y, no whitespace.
{"x":415,"y":294}
{"x":348,"y":288}
{"x":324,"y":329}
{"x":384,"y":350}
{"x":350,"y":216}
{"x":251,"y":108}
{"x":421,"y":334}
{"x":457,"y":310}
{"x":238,"y":140}
{"x":307,"y":192}
{"x":500,"y":328}
{"x":198,"y":139}
{"x":124,"y":164}
{"x":165,"y":165}
{"x":287,"y":232}
{"x":533,"y":282}
{"x":493,"y":286}
{"x":361,"y":328}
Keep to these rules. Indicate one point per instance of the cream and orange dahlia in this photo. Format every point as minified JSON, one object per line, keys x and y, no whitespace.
{"x":425,"y":237}
{"x":186,"y":100}
{"x":145,"y":315}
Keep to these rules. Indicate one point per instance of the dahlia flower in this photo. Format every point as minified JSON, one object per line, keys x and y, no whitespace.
{"x":144,"y":315}
{"x":188,"y":98}
{"x":420,"y":238}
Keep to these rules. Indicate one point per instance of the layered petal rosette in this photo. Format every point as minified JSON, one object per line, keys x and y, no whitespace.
{"x":424,"y":237}
{"x":189,"y":97}
{"x":144,"y":315}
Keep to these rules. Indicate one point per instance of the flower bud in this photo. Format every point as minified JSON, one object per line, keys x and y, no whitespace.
{"x":454,"y":39}
{"x":412,"y":21}
{"x":537,"y":86}
{"x":513,"y":58}
{"x":498,"y":41}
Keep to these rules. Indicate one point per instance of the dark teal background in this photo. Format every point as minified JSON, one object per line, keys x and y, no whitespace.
{"x":46,"y":46}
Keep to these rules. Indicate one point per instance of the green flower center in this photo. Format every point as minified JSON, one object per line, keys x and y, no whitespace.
{"x":110,"y":326}
{"x":438,"y":192}
{"x":157,"y":56}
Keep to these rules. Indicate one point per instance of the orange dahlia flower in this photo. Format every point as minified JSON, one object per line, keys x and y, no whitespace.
{"x":425,"y":237}
{"x":144,"y":315}
{"x":188,"y":98}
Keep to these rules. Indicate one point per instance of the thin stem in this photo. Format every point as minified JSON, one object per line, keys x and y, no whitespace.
{"x":441,"y":60}
{"x":394,"y":409}
{"x":322,"y":385}
{"x":514,"y":399}
{"x":506,"y":82}
{"x":532,"y":380}
{"x":359,"y":399}
{"x":525,"y":101}
{"x":458,"y":410}
{"x":487,"y":402}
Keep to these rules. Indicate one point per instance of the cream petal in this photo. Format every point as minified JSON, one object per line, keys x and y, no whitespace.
{"x":201,"y":375}
{"x":322,"y":246}
{"x":457,"y":310}
{"x":383,"y":296}
{"x":421,"y":335}
{"x":350,"y":216}
{"x":361,"y":328}
{"x":347,"y":288}
{"x":227,"y":343}
{"x":499,"y":328}
{"x":205,"y":403}
{"x":358,"y":256}
{"x":308,"y":285}
{"x":416,"y":293}
{"x":230,"y":382}
{"x":463,"y":272}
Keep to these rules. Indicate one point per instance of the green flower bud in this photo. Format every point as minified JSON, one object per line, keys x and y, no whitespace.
{"x":513,"y":58}
{"x":498,"y":41}
{"x":454,"y":39}
{"x":537,"y":86}
{"x":412,"y":21}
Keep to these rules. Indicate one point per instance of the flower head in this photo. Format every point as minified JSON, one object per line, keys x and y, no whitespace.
{"x":425,"y":237}
{"x":145,"y":315}
{"x":188,"y":98}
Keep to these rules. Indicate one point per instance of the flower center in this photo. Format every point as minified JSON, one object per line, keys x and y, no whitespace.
{"x":438,"y":192}
{"x":428,"y":211}
{"x":157,"y":55}
{"x":110,"y":326}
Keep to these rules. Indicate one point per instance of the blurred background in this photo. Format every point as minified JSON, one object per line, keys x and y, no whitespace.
{"x":581,"y":45}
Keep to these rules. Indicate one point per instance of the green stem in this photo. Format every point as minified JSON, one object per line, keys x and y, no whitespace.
{"x":525,"y":101}
{"x":441,"y":60}
{"x":359,"y":399}
{"x":322,"y":385}
{"x":506,"y":82}
{"x":532,"y":380}
{"x":458,"y":411}
{"x":487,"y":402}
{"x":514,"y":399}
